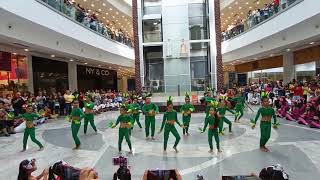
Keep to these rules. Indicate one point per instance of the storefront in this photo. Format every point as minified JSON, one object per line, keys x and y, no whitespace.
{"x":90,"y":78}
{"x":13,"y":72}
{"x":49,"y":75}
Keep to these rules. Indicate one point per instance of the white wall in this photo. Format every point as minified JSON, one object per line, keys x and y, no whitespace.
{"x":38,"y":25}
{"x":292,"y":26}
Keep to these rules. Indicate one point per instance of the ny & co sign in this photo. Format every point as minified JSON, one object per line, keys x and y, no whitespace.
{"x":96,"y":72}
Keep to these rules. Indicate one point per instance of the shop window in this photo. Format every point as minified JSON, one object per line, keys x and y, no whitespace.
{"x":151,"y":7}
{"x":198,"y":19}
{"x":152,"y":31}
{"x":154,"y":72}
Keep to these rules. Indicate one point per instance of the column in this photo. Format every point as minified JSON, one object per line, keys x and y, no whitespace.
{"x":288,"y":67}
{"x":30,"y":74}
{"x":124,"y":82}
{"x":72,"y":76}
{"x":317,"y":67}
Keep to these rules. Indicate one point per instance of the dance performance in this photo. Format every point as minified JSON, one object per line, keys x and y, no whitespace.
{"x":135,"y":111}
{"x":240,"y":101}
{"x":125,"y":121}
{"x":267,"y":113}
{"x":186,"y":111}
{"x":88,"y":115}
{"x":170,"y":117}
{"x":75,"y":117}
{"x":150,"y":110}
{"x":221,"y":110}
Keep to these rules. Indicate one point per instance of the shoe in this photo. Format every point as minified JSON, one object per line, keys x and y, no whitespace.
{"x":76,"y":148}
{"x":42,"y":148}
{"x":175,"y":148}
{"x":130,"y":152}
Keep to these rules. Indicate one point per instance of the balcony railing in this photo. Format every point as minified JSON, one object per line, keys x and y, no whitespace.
{"x":79,"y":15}
{"x":257,"y":18}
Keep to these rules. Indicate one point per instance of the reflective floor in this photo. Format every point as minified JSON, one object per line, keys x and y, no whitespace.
{"x":294,"y":146}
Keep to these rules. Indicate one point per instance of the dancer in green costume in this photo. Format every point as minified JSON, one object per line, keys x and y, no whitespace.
{"x":222,"y":108}
{"x":125,"y":121}
{"x":213,"y":121}
{"x":267,"y":113}
{"x":75,"y":117}
{"x":88,"y":115}
{"x":29,"y":117}
{"x":149,"y":109}
{"x":209,"y":101}
{"x":186,"y":111}
{"x":135,"y":111}
{"x":240,"y":101}
{"x":170,"y":117}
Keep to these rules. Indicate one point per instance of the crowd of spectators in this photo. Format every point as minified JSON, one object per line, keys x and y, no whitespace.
{"x":255,"y":17}
{"x":89,"y":20}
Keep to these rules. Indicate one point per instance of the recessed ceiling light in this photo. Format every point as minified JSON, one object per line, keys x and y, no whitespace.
{"x":232,"y":13}
{"x":236,"y":2}
{"x":71,"y":60}
{"x":14,"y":53}
{"x":288,"y":50}
{"x":85,"y":63}
{"x":250,"y":7}
{"x":99,"y":65}
{"x":107,"y":20}
{"x":52,"y":56}
{"x":92,"y":5}
{"x":229,"y":17}
{"x":222,"y":14}
{"x":110,"y":9}
{"x":240,"y":7}
{"x":128,"y":23}
{"x":258,"y":2}
{"x":89,"y":10}
{"x":103,"y":4}
{"x":255,"y":58}
{"x":247,"y":3}
{"x":122,"y":16}
{"x":26,"y":50}
{"x":109,"y":67}
{"x":103,"y":17}
{"x":126,"y":19}
{"x":311,"y":43}
{"x":271,"y":55}
{"x":117,"y":20}
{"x":99,"y":9}
{"x":113,"y":17}
{"x":85,"y":0}
{"x":117,"y":12}
{"x":230,"y":7}
{"x":241,"y":13}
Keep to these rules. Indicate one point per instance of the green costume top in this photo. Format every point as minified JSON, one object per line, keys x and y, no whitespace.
{"x":222,"y":110}
{"x":210,"y":102}
{"x":124,"y":119}
{"x":76,"y":115}
{"x":89,"y":105}
{"x":134,"y":108}
{"x":209,"y":121}
{"x":170,"y":116}
{"x":148,"y":107}
{"x":29,"y":118}
{"x":187,"y":107}
{"x":269,"y":111}
{"x":240,"y":101}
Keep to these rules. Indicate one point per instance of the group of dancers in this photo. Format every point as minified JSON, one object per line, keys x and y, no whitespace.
{"x":215,"y":111}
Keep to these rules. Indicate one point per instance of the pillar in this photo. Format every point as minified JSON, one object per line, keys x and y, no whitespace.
{"x":288,"y":67}
{"x":72,"y":76}
{"x":30,"y":74}
{"x":124,"y":82}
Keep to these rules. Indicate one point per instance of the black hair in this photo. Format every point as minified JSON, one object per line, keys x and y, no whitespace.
{"x":1,"y":102}
{"x":23,"y":172}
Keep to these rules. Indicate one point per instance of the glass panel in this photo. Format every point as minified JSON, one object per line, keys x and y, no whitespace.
{"x":198,"y":20}
{"x":152,"y":7}
{"x":152,"y":31}
{"x":89,"y":20}
{"x":154,"y":68}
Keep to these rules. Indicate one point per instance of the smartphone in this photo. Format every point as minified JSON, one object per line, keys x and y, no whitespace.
{"x":120,"y":161}
{"x":240,"y":178}
{"x":162,"y":175}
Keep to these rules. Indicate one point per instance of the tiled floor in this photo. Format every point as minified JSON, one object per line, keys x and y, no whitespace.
{"x":294,"y":146}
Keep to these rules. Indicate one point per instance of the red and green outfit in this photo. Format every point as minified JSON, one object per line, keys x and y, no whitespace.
{"x":150,"y":110}
{"x":124,"y":130}
{"x":186,"y":111}
{"x":265,"y":125}
{"x":89,"y":116}
{"x":30,"y":129}
{"x":169,"y":119}
{"x":76,"y":116}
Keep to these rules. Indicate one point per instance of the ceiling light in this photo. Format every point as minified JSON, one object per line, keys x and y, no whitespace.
{"x":113,"y":17}
{"x":247,"y":3}
{"x":71,"y":60}
{"x":311,"y":43}
{"x":229,"y":17}
{"x":103,"y":17}
{"x":26,"y":50}
{"x":271,"y":55}
{"x":288,"y":50}
{"x":103,"y":4}
{"x":84,"y":0}
{"x":222,"y":14}
{"x":126,"y":19}
{"x":122,"y":16}
{"x":232,"y":13}
{"x":236,"y":2}
{"x":85,"y":63}
{"x":255,"y":58}
{"x":241,"y":13}
{"x":250,"y":7}
{"x":110,"y":9}
{"x":240,"y":7}
{"x":117,"y":20}
{"x":52,"y":56}
{"x":230,"y":7}
{"x":109,"y":67}
{"x":258,"y":2}
{"x":117,"y":12}
{"x":128,"y":23}
{"x":99,"y":9}
{"x":99,"y":65}
{"x":89,"y":10}
{"x":92,"y":5}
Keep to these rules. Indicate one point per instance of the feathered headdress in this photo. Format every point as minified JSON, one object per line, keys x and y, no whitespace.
{"x":264,"y":94}
{"x":147,"y":96}
{"x":169,"y":101}
{"x":187,"y":95}
{"x":209,"y":89}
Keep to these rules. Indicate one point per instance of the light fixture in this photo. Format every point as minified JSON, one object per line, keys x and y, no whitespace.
{"x":99,"y":10}
{"x":109,"y":67}
{"x":255,"y":58}
{"x":117,"y":12}
{"x":99,"y":65}
{"x":110,"y":9}
{"x":92,"y":5}
{"x":250,"y":7}
{"x":103,"y":17}
{"x":222,"y":14}
{"x":240,"y":7}
{"x":14,"y":53}
{"x":26,"y":50}
{"x":271,"y":55}
{"x":241,"y":13}
{"x":258,"y":2}
{"x":84,"y":0}
{"x":229,"y":17}
{"x":247,"y":3}
{"x":236,"y":2}
{"x":52,"y":56}
{"x":89,"y":10}
{"x":232,"y":13}
{"x":311,"y":43}
{"x":230,"y":7}
{"x":288,"y":50}
{"x":113,"y":17}
{"x":122,"y":16}
{"x":71,"y":60}
{"x":126,"y":19}
{"x":85,"y":63}
{"x":117,"y":20}
{"x":103,"y":4}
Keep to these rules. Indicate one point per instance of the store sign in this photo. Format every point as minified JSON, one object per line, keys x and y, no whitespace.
{"x":96,"y":72}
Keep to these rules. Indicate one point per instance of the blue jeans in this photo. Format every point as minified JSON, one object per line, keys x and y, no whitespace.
{"x":68,"y":108}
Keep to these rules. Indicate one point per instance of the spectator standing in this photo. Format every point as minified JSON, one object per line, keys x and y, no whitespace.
{"x":276,"y":5}
{"x":61,"y":104}
{"x":283,"y":4}
{"x":68,"y":98}
{"x":17,"y":103}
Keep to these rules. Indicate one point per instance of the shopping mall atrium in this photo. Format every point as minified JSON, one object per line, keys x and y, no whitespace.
{"x":160,"y":89}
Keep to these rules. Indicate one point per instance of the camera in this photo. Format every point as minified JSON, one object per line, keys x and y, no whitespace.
{"x":62,"y":170}
{"x":120,"y":161}
{"x":123,"y":172}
